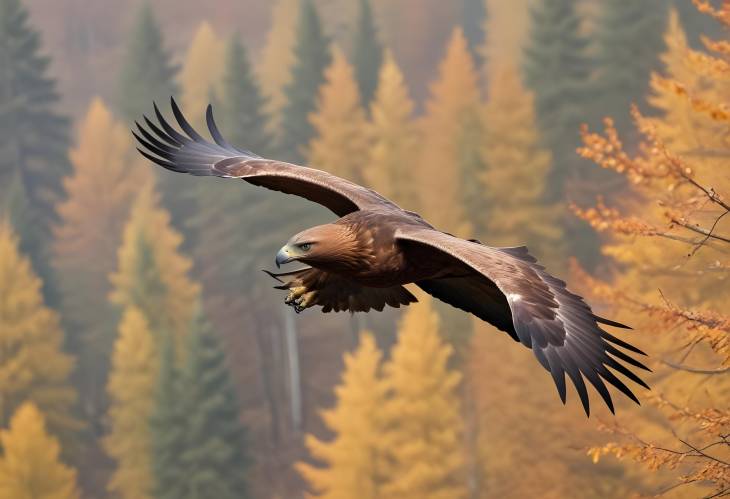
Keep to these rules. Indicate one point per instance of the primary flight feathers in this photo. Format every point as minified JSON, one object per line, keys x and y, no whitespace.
{"x":362,"y":260}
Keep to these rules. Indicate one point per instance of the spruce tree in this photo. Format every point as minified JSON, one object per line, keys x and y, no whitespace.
{"x":202,"y":72}
{"x":312,"y":56}
{"x":367,"y":54}
{"x":30,"y":466}
{"x":168,"y":427}
{"x":147,"y":73}
{"x":557,"y":70}
{"x":34,"y":139}
{"x":628,"y":42}
{"x":215,"y":461}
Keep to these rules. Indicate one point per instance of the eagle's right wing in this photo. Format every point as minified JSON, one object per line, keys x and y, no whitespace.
{"x":191,"y":153}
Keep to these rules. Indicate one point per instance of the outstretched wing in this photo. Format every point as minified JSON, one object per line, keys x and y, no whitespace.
{"x":506,"y":287}
{"x":191,"y":153}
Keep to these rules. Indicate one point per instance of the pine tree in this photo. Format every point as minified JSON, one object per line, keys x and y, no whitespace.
{"x":34,"y":141}
{"x":628,"y":42}
{"x":135,"y":366}
{"x":311,"y":58}
{"x":277,"y":59}
{"x":557,"y":71}
{"x":168,"y":428}
{"x":214,"y":460}
{"x":32,"y":365}
{"x":450,"y":151}
{"x":341,"y":144}
{"x":514,"y":155}
{"x":367,"y":54}
{"x":394,"y":138}
{"x":147,"y":73}
{"x":202,"y":71}
{"x":354,"y":459}
{"x":88,"y":235}
{"x":151,"y":273}
{"x":29,"y":466}
{"x":422,"y":414}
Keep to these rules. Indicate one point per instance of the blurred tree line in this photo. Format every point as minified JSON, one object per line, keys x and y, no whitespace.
{"x":143,"y":355}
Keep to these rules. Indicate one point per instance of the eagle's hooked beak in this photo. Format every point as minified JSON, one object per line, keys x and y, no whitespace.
{"x":283,"y":256}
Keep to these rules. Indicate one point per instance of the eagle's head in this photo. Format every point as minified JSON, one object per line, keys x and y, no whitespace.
{"x":325,"y":246}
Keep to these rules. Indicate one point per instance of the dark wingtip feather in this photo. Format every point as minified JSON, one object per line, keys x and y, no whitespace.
{"x":609,"y":322}
{"x":621,"y":343}
{"x":183,"y":122}
{"x":158,"y":161}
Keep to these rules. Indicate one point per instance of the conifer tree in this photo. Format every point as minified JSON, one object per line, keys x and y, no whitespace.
{"x":341,"y":144}
{"x":32,"y":365}
{"x":557,"y":71}
{"x":394,"y":138}
{"x":367,"y":54}
{"x":202,"y":71}
{"x":354,"y":459}
{"x":514,"y":155}
{"x":151,"y":273}
{"x":29,"y":466}
{"x":135,"y":366}
{"x":450,"y":150}
{"x":215,"y":461}
{"x":277,"y":59}
{"x":147,"y":73}
{"x":311,"y":58}
{"x":168,"y":427}
{"x":422,"y":413}
{"x":88,"y":235}
{"x":34,"y":141}
{"x":628,"y":43}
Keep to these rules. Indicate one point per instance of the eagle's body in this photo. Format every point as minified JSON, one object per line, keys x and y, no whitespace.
{"x":362,"y":261}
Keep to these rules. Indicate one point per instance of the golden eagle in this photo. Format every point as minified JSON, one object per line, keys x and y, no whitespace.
{"x":362,"y":261}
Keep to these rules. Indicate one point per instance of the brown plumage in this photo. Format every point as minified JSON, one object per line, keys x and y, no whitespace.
{"x":362,"y":261}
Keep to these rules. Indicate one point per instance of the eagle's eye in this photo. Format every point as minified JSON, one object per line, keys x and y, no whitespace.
{"x":305,"y":246}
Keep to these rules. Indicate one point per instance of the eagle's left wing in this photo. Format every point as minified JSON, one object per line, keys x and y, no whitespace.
{"x":191,"y":153}
{"x":506,"y":287}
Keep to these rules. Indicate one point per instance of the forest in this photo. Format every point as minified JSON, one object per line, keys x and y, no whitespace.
{"x":144,"y":353}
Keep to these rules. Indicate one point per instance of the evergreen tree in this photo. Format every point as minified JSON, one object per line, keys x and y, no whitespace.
{"x":354,"y":458}
{"x":88,"y":236}
{"x":168,"y":428}
{"x":422,"y":413}
{"x":341,"y":144}
{"x":151,"y":273}
{"x":367,"y":53}
{"x":450,"y":151}
{"x":32,"y":365}
{"x":29,"y":466}
{"x":277,"y":59}
{"x":474,"y":23}
{"x":514,"y":155}
{"x":394,"y":138}
{"x":214,"y":460}
{"x":147,"y":73}
{"x":311,"y":58}
{"x":628,"y":43}
{"x":202,"y":71}
{"x":34,"y":140}
{"x":557,"y":71}
{"x":135,"y":366}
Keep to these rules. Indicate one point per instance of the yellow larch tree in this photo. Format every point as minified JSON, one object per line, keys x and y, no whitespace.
{"x":353,"y":459}
{"x":131,"y":388}
{"x":202,"y":71}
{"x":151,"y":272}
{"x":389,"y":169}
{"x":29,"y":466}
{"x":277,"y":58}
{"x":340,"y":145}
{"x":513,"y":156}
{"x":33,"y":366}
{"x":422,"y":415}
{"x":451,"y":133}
{"x":107,"y":173}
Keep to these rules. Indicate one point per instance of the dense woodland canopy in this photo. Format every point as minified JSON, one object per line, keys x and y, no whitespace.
{"x":144,"y":354}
